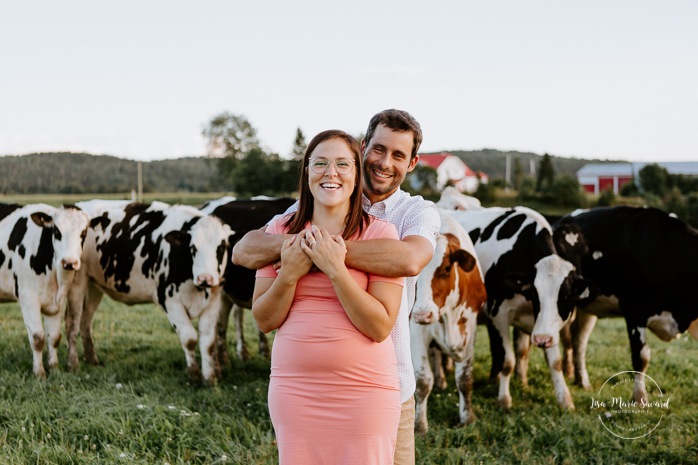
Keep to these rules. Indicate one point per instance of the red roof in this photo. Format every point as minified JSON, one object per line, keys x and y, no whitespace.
{"x":435,"y":159}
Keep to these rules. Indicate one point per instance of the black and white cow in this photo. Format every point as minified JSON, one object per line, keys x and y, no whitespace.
{"x":449,"y":295}
{"x":242,"y":216}
{"x":643,"y":264}
{"x":40,"y":252}
{"x":172,"y":255}
{"x":452,"y":199}
{"x":528,"y":286}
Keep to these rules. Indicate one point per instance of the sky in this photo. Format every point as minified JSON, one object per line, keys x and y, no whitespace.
{"x":140,"y":79}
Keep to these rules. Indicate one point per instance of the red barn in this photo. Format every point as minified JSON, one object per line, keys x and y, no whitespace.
{"x":597,"y":177}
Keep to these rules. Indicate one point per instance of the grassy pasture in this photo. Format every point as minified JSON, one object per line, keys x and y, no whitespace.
{"x":139,"y":408}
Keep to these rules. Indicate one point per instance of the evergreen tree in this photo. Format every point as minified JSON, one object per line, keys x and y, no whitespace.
{"x":546,"y":173}
{"x":299,"y":146}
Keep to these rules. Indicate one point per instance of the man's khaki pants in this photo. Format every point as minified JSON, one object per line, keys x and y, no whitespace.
{"x":404,"y":449}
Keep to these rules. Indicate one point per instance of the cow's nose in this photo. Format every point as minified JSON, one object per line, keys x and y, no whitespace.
{"x":70,"y":264}
{"x":423,"y":318}
{"x":204,"y":280}
{"x":543,"y":340}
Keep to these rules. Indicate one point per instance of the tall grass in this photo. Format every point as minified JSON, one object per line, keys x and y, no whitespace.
{"x":139,"y":408}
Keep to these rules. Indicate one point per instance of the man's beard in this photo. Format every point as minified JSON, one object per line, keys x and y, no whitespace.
{"x":383,"y":189}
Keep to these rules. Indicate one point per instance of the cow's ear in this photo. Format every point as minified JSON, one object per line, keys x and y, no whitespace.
{"x":464,"y":259}
{"x":42,"y":219}
{"x":178,"y":238}
{"x":516,"y":282}
{"x":570,"y":243}
{"x":583,"y":291}
{"x":100,"y":221}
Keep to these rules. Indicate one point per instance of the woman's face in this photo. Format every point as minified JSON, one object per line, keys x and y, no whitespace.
{"x":332,"y":173}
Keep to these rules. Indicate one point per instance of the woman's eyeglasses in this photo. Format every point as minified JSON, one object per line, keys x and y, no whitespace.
{"x":343,"y":165}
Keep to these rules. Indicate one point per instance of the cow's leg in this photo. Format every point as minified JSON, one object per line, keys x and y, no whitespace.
{"x":522,"y":343}
{"x":567,"y":351}
{"x":240,"y":344}
{"x":437,"y":366}
{"x":181,"y":323}
{"x":73,"y":317}
{"x":53,"y":330}
{"x":447,"y":364}
{"x":263,"y":344}
{"x":496,"y":351}
{"x":420,"y":340}
{"x":562,"y":392}
{"x":31,"y":312}
{"x":581,"y":330}
{"x":464,"y":378}
{"x":640,"y":353}
{"x":222,"y":332}
{"x":208,"y":321}
{"x":92,"y":300}
{"x":507,"y":361}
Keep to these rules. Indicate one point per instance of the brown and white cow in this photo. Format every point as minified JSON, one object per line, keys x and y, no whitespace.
{"x":39,"y":256}
{"x":450,"y":293}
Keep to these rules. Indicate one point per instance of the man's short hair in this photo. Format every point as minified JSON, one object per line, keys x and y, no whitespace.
{"x":397,"y":120}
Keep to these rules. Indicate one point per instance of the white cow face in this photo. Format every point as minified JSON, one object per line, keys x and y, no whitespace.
{"x":208,"y":242}
{"x":559,"y":289}
{"x":68,"y":228}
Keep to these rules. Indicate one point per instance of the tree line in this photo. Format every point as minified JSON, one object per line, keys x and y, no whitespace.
{"x":82,"y":173}
{"x":236,"y":162}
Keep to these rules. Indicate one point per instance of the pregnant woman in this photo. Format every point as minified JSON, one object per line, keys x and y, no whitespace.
{"x":334,"y":393}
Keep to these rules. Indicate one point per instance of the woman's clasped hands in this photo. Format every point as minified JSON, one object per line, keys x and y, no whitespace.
{"x":313,"y":246}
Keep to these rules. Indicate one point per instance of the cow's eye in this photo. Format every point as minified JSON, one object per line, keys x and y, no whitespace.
{"x":57,"y":234}
{"x":192,"y":249}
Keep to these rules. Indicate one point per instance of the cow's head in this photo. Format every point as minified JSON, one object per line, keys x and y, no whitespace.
{"x":207,"y":241}
{"x":443,"y":283}
{"x":449,"y":290}
{"x":553,"y":291}
{"x":64,"y":232}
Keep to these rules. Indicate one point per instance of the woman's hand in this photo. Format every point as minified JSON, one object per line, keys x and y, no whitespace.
{"x":326,"y":251}
{"x":295,"y":262}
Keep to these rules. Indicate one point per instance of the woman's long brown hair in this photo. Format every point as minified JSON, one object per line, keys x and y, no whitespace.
{"x":357,"y":219}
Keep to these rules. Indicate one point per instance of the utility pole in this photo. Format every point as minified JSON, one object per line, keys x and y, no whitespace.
{"x":507,"y":176}
{"x":140,"y":181}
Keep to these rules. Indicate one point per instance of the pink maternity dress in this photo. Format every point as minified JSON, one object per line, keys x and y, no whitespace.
{"x":334,"y":394}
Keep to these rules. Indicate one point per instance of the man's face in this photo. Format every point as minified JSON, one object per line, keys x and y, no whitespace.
{"x":386,"y":162}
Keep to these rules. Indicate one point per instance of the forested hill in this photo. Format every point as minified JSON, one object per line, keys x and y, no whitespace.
{"x":493,"y":162}
{"x":76,"y":173}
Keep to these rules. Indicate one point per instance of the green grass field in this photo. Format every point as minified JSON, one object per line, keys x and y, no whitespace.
{"x":139,"y":408}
